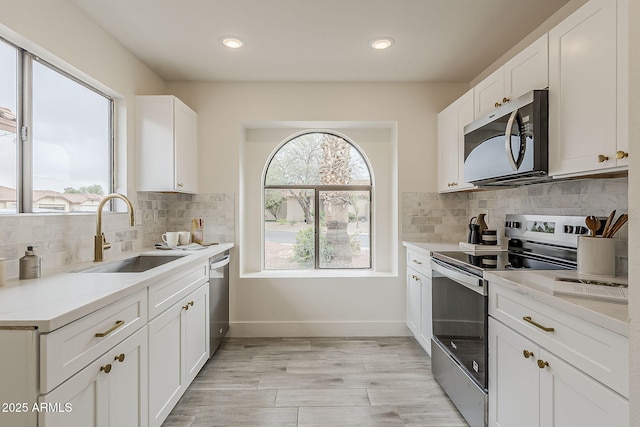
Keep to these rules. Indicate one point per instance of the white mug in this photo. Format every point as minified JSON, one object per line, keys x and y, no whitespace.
{"x":170,"y":238}
{"x":184,"y":237}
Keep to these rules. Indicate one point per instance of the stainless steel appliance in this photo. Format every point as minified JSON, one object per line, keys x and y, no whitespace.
{"x":218,"y":300}
{"x":460,"y":307}
{"x":510,"y":145}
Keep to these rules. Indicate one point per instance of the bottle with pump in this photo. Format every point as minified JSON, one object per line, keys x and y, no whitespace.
{"x":30,"y":264}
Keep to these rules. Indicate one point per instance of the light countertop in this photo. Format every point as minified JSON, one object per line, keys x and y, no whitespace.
{"x":61,"y":297}
{"x":538,"y":285}
{"x":432,"y":247}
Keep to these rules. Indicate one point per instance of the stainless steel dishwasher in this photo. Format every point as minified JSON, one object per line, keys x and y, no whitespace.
{"x":218,"y":299}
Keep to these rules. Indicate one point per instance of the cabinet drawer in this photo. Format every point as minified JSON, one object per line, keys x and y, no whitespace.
{"x":419,"y":261}
{"x":168,"y":291}
{"x":67,"y":350}
{"x":598,"y":352}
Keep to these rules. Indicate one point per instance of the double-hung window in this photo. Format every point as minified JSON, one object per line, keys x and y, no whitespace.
{"x":317,"y":205}
{"x":56,"y":137}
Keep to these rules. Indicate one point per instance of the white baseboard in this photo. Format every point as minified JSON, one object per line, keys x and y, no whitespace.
{"x":318,"y":329}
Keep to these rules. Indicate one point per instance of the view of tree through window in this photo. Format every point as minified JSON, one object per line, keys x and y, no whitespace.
{"x":317,"y":205}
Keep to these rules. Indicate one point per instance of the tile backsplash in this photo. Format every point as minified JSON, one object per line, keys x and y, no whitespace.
{"x":65,"y":239}
{"x":433,"y":217}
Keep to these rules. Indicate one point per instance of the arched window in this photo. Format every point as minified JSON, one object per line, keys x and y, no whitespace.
{"x":317,"y":205}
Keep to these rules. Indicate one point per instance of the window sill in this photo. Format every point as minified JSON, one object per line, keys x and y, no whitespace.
{"x":313,"y":274}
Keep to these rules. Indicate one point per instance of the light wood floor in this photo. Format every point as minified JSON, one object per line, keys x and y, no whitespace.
{"x":316,"y":382}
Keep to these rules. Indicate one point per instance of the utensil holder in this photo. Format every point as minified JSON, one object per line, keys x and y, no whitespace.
{"x":596,"y":256}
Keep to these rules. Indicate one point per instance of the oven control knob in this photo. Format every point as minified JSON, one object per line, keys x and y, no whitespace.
{"x":568,"y":229}
{"x":507,"y":224}
{"x":515,"y":224}
{"x":580,"y":229}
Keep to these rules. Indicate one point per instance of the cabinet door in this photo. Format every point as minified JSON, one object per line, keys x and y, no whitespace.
{"x":165,"y":363}
{"x":186,"y":148}
{"x":513,"y":378}
{"x":128,"y":384}
{"x":451,"y":123}
{"x":426,"y":319}
{"x":489,"y":92}
{"x":413,"y":301}
{"x":528,"y":70}
{"x":582,"y":90}
{"x":196,"y":332}
{"x":569,"y":397}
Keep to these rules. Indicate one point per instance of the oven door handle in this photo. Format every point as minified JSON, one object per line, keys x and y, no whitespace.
{"x":474,"y":283}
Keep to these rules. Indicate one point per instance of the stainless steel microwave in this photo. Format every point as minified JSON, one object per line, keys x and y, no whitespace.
{"x":510,"y":146}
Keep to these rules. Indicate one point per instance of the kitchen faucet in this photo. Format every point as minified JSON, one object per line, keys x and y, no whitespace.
{"x":100,"y":242}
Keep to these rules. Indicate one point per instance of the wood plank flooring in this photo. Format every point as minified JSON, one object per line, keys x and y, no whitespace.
{"x":316,"y":382}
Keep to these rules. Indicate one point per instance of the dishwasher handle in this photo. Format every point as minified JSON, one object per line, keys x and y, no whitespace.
{"x":220,"y":262}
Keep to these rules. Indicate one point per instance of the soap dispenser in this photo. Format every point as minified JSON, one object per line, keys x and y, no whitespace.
{"x":30,"y":265}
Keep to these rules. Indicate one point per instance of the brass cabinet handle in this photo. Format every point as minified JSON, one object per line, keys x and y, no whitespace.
{"x":542,"y":364}
{"x":414,"y":277}
{"x":416,"y":261}
{"x":118,"y":324}
{"x":621,"y":154}
{"x":106,"y":368}
{"x":536,"y":324}
{"x":120,"y":357}
{"x":180,"y":184}
{"x":186,"y":307}
{"x":527,"y":354}
{"x":602,"y":158}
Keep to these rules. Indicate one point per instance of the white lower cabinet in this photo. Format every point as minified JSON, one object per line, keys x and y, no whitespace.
{"x":419,"y":318}
{"x":531,"y":385}
{"x":178,"y":348}
{"x":111,"y":391}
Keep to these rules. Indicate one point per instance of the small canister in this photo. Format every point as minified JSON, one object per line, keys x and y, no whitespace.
{"x":596,"y":255}
{"x":489,"y":237}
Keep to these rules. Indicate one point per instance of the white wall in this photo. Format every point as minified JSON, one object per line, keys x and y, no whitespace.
{"x":305,"y":305}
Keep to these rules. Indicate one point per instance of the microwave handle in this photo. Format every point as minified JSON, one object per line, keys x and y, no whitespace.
{"x":507,"y":144}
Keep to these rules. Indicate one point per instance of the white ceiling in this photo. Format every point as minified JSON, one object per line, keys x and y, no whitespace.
{"x":319,"y":40}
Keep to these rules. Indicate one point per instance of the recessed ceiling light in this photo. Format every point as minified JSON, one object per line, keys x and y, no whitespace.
{"x":381,"y":43}
{"x":232,"y":42}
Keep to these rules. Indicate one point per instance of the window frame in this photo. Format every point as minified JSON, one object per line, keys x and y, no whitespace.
{"x":24,"y":128}
{"x":317,"y":189}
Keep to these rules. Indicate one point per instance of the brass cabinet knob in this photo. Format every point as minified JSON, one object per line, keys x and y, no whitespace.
{"x":120,"y":357}
{"x":180,"y":184}
{"x":527,"y":354}
{"x":505,"y":100}
{"x":185,"y":307}
{"x":106,"y":368}
{"x":621,"y":154}
{"x":602,"y":158}
{"x":497,"y":104}
{"x":542,"y":364}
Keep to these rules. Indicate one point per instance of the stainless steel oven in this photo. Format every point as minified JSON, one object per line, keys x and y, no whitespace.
{"x":459,"y":350}
{"x":459,"y":346}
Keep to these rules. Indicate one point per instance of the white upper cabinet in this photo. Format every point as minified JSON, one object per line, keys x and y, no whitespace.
{"x":527,"y":71}
{"x":588,"y":81}
{"x":451,"y":123}
{"x":167,"y":156}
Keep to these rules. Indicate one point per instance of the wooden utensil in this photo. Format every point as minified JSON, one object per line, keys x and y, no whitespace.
{"x":593,"y":224}
{"x":608,"y":223}
{"x":622,"y":220}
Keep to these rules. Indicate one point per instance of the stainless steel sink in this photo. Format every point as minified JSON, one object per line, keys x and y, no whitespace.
{"x":136,"y":264}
